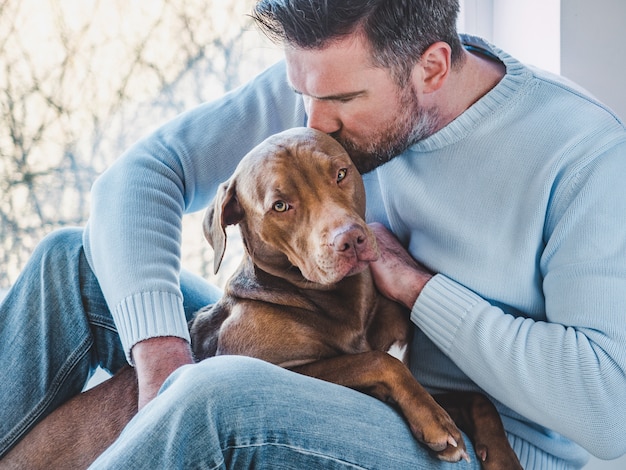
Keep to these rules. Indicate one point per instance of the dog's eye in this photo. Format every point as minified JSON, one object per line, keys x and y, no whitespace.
{"x":280,"y":206}
{"x":342,"y":174}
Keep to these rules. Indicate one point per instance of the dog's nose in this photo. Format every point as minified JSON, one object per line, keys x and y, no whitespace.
{"x":349,"y":240}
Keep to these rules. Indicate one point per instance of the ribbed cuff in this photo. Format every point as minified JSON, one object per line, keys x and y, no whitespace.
{"x":440,"y":309}
{"x":149,"y":315}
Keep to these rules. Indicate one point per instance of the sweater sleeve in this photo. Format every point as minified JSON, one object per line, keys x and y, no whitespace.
{"x":132,"y":240}
{"x":566,"y":368}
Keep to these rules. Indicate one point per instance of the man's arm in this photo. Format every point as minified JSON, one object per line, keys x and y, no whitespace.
{"x":155,"y":359}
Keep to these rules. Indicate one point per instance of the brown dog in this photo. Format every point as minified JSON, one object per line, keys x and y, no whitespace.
{"x":302,"y":298}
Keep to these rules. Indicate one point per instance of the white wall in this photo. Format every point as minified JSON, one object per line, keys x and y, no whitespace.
{"x":593,"y":53}
{"x":528,"y":30}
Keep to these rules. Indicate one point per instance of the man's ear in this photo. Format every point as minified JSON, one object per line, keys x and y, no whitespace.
{"x":225,"y":210}
{"x":435,"y":66}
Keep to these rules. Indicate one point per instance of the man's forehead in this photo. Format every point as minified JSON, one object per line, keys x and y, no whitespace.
{"x":336,"y":69}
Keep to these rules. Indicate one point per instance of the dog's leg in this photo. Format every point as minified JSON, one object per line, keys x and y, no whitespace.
{"x":476,"y":415}
{"x":73,"y":435}
{"x":382,"y":376}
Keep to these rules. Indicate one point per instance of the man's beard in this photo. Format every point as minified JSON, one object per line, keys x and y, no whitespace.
{"x":396,"y":138}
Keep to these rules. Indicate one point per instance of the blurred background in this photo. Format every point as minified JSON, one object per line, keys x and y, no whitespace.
{"x":81,"y":80}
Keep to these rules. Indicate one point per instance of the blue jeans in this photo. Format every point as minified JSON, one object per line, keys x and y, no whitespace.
{"x":241,"y":413}
{"x":56,"y":329}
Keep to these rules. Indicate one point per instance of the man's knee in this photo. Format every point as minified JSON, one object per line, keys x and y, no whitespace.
{"x":224,"y":383}
{"x":234,"y":374}
{"x":234,"y":400}
{"x":60,"y":245}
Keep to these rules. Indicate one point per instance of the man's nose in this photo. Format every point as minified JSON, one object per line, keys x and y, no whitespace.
{"x":321,"y":115}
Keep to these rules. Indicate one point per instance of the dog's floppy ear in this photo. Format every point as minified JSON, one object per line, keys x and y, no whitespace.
{"x":225,"y":210}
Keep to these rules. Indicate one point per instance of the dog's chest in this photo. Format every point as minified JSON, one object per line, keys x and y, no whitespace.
{"x":359,"y":344}
{"x":399,"y":350}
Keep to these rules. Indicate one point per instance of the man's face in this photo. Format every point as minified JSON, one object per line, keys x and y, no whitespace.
{"x":358,"y":104}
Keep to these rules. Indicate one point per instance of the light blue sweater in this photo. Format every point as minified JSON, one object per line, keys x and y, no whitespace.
{"x":519,"y":204}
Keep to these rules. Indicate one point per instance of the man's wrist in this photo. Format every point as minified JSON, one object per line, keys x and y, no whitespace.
{"x":415,"y":284}
{"x":161,"y":352}
{"x":155,"y":359}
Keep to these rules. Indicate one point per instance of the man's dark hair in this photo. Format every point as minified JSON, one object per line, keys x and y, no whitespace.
{"x":398,"y":31}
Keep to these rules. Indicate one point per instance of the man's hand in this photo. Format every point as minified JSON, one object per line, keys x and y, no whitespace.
{"x":396,"y":274}
{"x":155,"y":359}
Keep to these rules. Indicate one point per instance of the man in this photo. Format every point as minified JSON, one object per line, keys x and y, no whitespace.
{"x":502,"y":184}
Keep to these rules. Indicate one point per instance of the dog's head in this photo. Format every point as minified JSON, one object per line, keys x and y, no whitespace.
{"x":300,"y":203}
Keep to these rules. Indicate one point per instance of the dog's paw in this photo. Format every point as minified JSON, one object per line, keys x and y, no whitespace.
{"x":441,"y":435}
{"x":453,"y":454}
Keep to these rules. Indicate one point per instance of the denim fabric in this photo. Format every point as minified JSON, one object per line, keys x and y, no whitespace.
{"x":56,"y":329}
{"x":242,"y":413}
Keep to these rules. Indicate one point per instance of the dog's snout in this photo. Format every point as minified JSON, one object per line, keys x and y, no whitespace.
{"x":350,"y":240}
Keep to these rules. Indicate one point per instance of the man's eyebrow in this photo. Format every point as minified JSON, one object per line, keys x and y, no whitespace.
{"x":337,"y":97}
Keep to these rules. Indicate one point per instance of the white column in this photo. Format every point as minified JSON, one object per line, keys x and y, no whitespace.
{"x":593,"y":50}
